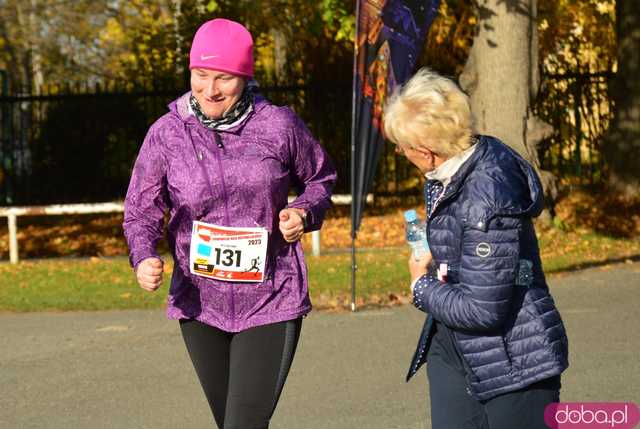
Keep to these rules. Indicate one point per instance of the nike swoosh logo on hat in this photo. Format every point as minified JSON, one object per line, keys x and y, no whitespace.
{"x":208,"y":57}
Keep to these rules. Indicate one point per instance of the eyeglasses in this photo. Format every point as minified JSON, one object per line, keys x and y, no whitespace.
{"x":403,"y":151}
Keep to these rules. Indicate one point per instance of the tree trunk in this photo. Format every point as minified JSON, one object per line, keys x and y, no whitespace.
{"x":25,"y":53}
{"x":36,"y":56}
{"x":501,"y":76}
{"x":280,"y":56}
{"x":622,"y":145}
{"x":177,"y":16}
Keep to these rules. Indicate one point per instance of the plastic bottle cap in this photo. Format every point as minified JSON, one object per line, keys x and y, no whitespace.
{"x":410,"y":215}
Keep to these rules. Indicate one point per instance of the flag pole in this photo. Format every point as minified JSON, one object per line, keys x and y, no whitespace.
{"x":354,"y":265}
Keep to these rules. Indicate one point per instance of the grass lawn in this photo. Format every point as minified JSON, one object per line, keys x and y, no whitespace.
{"x":108,"y":283}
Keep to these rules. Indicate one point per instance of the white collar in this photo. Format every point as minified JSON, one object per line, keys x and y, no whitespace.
{"x":447,"y":169}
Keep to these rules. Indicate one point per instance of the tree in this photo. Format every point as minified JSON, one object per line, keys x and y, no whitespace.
{"x":450,"y":37}
{"x":622,"y":145}
{"x":143,"y":41}
{"x":501,"y":76}
{"x":297,"y":42}
{"x":51,"y":41}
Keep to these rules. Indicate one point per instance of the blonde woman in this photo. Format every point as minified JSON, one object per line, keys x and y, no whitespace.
{"x":494,"y":342}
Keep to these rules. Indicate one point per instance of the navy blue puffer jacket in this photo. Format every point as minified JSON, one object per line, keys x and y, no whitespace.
{"x":495,"y":299}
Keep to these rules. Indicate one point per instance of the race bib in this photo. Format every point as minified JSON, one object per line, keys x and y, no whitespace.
{"x":228,"y":253}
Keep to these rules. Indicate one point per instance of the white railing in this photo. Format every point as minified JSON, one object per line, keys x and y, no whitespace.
{"x":12,"y":213}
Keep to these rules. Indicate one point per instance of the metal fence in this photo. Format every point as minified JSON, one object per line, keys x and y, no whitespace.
{"x":579,"y":108}
{"x":72,"y":144}
{"x":77,"y":143}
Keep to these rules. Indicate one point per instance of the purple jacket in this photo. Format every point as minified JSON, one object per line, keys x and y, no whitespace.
{"x":245,"y":183}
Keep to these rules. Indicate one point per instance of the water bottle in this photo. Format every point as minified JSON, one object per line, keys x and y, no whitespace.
{"x":416,"y":234}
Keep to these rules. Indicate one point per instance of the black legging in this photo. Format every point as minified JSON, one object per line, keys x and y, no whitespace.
{"x":242,"y":374}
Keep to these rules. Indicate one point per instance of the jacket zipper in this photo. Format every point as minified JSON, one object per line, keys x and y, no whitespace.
{"x":217,"y":151}
{"x":219,"y":148}
{"x":440,"y":201}
{"x":205,"y":173}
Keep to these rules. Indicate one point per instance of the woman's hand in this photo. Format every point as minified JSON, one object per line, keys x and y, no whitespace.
{"x":418,"y":267}
{"x":149,"y":273}
{"x":291,"y":224}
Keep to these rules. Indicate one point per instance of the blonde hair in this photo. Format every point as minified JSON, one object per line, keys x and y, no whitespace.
{"x":431,"y":112}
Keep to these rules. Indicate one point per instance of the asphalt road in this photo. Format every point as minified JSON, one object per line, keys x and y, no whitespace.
{"x":129,"y":369}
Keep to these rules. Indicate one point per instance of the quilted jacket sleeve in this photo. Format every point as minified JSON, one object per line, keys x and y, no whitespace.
{"x":146,"y":200}
{"x":314,"y":174}
{"x":487,"y":276}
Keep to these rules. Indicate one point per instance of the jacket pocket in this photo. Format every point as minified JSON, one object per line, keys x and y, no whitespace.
{"x":282,"y":267}
{"x":484,"y":357}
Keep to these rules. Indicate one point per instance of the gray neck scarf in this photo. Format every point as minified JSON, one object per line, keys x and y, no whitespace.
{"x":234,"y":116}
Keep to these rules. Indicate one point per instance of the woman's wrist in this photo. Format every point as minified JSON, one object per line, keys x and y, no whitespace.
{"x":303,"y":215}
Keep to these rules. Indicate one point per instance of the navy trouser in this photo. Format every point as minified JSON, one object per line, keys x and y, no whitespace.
{"x":453,"y":408}
{"x":242,"y":374}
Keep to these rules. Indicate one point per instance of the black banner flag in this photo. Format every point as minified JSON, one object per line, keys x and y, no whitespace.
{"x":389,"y":37}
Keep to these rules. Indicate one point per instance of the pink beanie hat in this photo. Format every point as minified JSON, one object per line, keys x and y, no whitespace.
{"x":223,"y":45}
